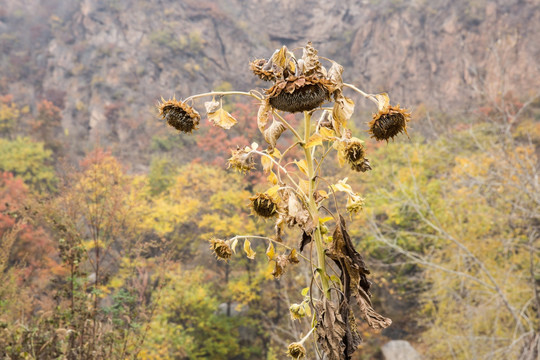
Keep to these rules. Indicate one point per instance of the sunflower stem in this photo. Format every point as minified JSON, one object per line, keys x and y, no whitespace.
{"x":222,"y":93}
{"x":366,"y":95}
{"x":269,"y":239}
{"x":313,"y":207}
{"x":288,"y":126}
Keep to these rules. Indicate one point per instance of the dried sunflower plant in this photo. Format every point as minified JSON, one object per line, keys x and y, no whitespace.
{"x":297,"y":193}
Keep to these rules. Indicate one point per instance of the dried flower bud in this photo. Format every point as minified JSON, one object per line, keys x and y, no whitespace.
{"x":221,"y":248}
{"x":296,"y":351}
{"x":241,"y":160}
{"x":355,"y":203}
{"x":263,"y":205}
{"x":179,"y":115}
{"x":297,"y":311}
{"x":389,"y":122}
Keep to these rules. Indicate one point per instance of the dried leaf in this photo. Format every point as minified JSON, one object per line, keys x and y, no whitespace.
{"x":306,"y":239}
{"x":272,"y":178}
{"x":331,"y":329}
{"x":302,"y":165}
{"x":222,"y":119}
{"x":281,"y":264}
{"x":272,"y":134}
{"x":271,"y":252}
{"x":212,"y":106}
{"x":233,"y":245}
{"x":279,"y":57}
{"x":383,"y":101}
{"x":267,"y":164}
{"x":343,"y":110}
{"x":247,"y":248}
{"x":343,"y":186}
{"x":326,"y":133}
{"x":310,"y":60}
{"x":314,"y":140}
{"x":272,"y":191}
{"x":275,"y":153}
{"x":293,"y":257}
{"x":304,"y":291}
{"x":263,"y":115}
{"x":354,"y":275}
{"x":297,"y":214}
{"x":335,"y":74}
{"x":304,"y":186}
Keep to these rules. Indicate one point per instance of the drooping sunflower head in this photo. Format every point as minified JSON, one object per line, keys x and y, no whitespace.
{"x":389,"y":122}
{"x":221,"y":248}
{"x":361,"y":166}
{"x":264,"y":205}
{"x":354,"y":151}
{"x":241,"y":160}
{"x":179,"y":115}
{"x":298,"y":94}
{"x":296,"y":351}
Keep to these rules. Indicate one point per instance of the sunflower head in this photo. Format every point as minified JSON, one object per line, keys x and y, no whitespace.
{"x":354,"y":151}
{"x":179,"y":115}
{"x":361,"y":166}
{"x":264,"y":205}
{"x":241,"y":160}
{"x":389,"y":122}
{"x":296,"y":351}
{"x":221,"y":248}
{"x":298,"y":94}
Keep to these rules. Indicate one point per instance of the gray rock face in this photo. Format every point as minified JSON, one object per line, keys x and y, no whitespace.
{"x":399,"y":350}
{"x":114,"y":59}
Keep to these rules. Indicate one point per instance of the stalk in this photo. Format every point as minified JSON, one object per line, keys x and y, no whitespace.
{"x":313,"y":207}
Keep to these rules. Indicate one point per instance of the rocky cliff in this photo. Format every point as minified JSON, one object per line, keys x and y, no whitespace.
{"x":107,"y":62}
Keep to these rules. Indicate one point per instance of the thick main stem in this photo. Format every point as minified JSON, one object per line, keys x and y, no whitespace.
{"x":313,"y":207}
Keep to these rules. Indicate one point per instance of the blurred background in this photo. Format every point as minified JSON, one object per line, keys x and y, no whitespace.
{"x":105,"y":213}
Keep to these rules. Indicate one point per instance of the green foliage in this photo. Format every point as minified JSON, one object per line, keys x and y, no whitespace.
{"x":28,"y":160}
{"x":189,"y":324}
{"x":161,"y":175}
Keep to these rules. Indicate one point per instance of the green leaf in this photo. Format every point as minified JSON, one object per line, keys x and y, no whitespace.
{"x":305,"y":291}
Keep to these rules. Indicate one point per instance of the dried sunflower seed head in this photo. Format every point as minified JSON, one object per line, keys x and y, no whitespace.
{"x":264,"y":205}
{"x":296,"y":351}
{"x":389,"y":122}
{"x":241,"y":160}
{"x":355,"y":203}
{"x":298,"y":94}
{"x":221,"y":248}
{"x":179,"y":115}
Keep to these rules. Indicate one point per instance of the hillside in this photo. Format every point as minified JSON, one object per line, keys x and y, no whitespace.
{"x":106,"y":63}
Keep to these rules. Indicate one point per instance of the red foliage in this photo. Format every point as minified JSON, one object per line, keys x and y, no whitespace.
{"x":33,"y":248}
